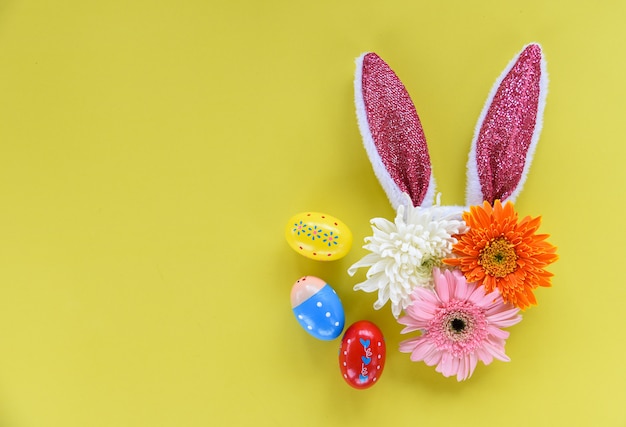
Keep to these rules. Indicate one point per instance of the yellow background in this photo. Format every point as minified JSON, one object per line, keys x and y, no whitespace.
{"x":152,"y":151}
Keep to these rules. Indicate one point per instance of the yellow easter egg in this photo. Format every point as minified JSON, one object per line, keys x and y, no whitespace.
{"x":318,"y":236}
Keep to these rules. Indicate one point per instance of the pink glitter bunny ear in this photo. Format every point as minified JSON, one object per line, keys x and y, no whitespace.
{"x":508,"y":130}
{"x":392,"y":133}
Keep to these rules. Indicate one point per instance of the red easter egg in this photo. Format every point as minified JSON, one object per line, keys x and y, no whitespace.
{"x":362,"y":354}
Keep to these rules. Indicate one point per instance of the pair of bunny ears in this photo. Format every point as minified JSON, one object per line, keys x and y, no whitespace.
{"x":504,"y":139}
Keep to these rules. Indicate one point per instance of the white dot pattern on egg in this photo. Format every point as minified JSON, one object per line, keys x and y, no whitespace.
{"x":317,"y":307}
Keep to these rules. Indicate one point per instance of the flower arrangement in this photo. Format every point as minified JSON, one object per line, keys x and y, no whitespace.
{"x":458,"y":282}
{"x":458,"y":275}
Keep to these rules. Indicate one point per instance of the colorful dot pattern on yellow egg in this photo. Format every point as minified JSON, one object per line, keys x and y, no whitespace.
{"x":318,"y":236}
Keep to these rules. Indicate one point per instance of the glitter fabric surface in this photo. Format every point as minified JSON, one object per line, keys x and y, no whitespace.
{"x":395,"y":128}
{"x":507,"y":131}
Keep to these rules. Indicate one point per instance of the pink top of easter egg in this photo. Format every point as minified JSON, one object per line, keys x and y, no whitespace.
{"x":304,"y":288}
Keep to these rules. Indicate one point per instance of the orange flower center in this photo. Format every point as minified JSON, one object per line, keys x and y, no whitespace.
{"x":498,"y":257}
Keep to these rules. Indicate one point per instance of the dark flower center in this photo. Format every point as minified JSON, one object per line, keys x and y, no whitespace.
{"x":458,"y":325}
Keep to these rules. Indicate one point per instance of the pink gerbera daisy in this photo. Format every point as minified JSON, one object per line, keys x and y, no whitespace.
{"x":460,"y":325}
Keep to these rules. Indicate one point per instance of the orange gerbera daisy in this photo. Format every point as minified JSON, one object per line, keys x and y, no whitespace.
{"x":500,"y":252}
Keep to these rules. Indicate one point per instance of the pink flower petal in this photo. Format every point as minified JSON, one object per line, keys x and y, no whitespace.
{"x":419,"y":349}
{"x":472,"y":362}
{"x":506,"y":318}
{"x":409,"y":328}
{"x":408,"y":346}
{"x":483,"y":299}
{"x":457,"y":365}
{"x":497,"y":332}
{"x":421,"y":311}
{"x":411,"y":324}
{"x":496,"y":351}
{"x":433,"y":357}
{"x":484,"y":355}
{"x":446,"y":365}
{"x":441,"y":285}
{"x":463,"y":369}
{"x":426,"y":295}
{"x":462,"y":289}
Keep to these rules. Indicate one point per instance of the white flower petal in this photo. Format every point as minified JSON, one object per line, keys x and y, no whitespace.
{"x":372,"y":284}
{"x":366,"y":261}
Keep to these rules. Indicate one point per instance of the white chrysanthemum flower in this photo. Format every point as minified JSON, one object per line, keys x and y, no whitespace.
{"x":404,"y":253}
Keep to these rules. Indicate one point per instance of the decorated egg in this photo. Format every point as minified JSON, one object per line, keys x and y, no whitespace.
{"x":362,"y":354}
{"x":318,"y":236}
{"x":317,"y":308}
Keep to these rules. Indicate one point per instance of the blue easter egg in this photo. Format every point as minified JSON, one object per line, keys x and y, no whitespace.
{"x":317,"y":308}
